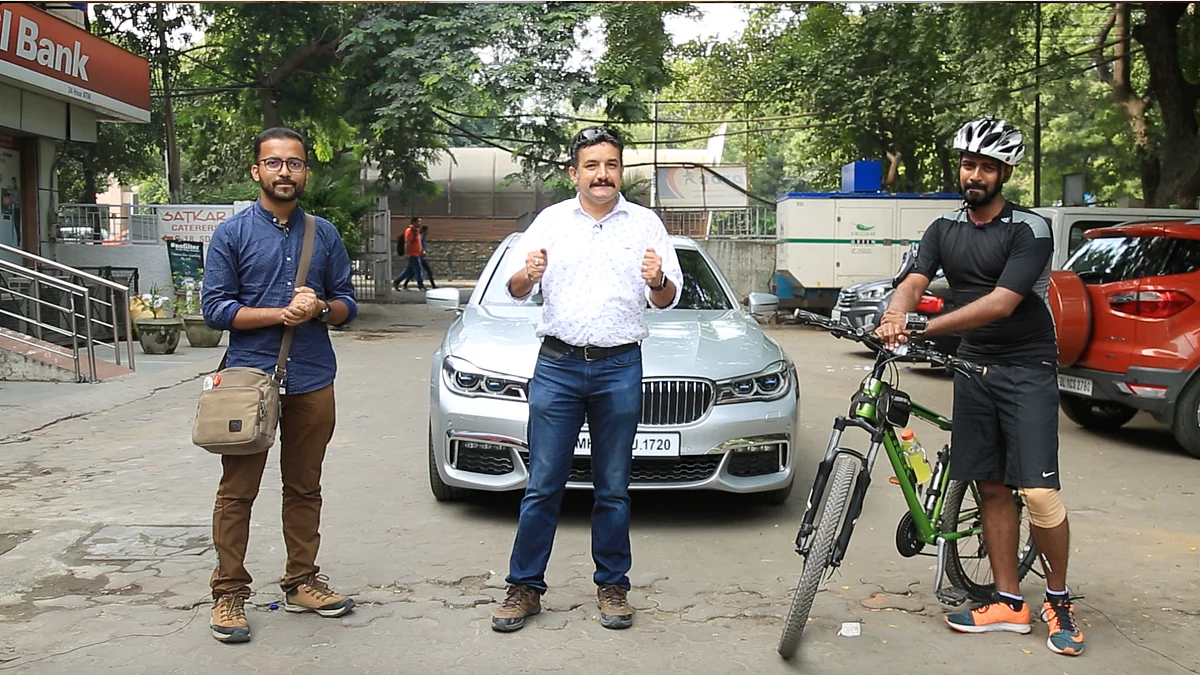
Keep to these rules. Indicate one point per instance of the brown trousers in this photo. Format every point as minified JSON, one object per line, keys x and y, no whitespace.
{"x":305,"y":427}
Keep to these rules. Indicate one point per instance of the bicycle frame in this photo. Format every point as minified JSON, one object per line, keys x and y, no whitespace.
{"x":865,"y":413}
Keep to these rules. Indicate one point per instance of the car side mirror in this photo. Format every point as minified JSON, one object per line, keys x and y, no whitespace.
{"x":763,"y":303}
{"x":443,"y":298}
{"x":907,"y":264}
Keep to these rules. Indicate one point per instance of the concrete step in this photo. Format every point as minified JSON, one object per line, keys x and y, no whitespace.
{"x":24,"y":358}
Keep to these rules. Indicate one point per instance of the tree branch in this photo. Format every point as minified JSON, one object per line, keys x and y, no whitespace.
{"x":1102,"y":68}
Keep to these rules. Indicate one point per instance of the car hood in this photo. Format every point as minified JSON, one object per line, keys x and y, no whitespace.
{"x":869,"y":285}
{"x":682,"y":343}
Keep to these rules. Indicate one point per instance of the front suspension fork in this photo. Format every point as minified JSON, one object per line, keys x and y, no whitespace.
{"x":857,"y":498}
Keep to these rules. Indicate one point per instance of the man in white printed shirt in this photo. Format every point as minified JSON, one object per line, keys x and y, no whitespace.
{"x":599,"y":260}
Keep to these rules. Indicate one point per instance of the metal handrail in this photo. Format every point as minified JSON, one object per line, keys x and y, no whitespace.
{"x":113,"y":287}
{"x":74,"y":290}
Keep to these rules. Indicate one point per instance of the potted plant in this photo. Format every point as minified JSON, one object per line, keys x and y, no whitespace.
{"x":187,"y":306}
{"x":157,"y":329}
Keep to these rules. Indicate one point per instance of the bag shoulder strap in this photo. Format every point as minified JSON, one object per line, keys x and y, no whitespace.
{"x":306,"y":252}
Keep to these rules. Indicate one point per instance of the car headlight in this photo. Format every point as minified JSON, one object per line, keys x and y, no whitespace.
{"x":876,"y":293}
{"x":465,"y":379}
{"x":771,"y":384}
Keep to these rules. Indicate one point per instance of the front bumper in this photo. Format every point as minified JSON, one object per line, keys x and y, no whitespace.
{"x":480,"y":444}
{"x":1154,"y":390}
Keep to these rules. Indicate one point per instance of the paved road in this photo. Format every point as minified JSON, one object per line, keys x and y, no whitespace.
{"x":104,"y":549}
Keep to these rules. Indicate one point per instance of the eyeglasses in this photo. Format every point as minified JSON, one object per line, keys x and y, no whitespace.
{"x":275,"y":164}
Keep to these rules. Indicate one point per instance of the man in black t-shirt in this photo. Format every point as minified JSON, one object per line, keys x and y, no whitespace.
{"x":996,"y":257}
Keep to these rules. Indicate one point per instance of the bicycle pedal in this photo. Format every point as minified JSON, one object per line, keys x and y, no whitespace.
{"x":952,"y":597}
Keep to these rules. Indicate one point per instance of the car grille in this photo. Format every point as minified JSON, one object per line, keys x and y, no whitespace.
{"x":493,"y":461}
{"x":760,"y":462}
{"x":846,"y":299}
{"x":673,"y":402}
{"x":681,"y":470}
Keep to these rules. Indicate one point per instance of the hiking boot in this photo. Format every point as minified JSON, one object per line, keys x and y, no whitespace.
{"x":1065,"y":636}
{"x":615,"y":611}
{"x":995,"y":616}
{"x":228,"y":622}
{"x":522,"y":601}
{"x":315,"y":595}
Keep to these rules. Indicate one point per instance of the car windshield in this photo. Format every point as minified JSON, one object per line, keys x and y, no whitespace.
{"x":1105,"y":260}
{"x":702,"y":289}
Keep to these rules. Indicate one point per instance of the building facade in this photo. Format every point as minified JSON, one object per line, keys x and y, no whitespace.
{"x":58,"y":82}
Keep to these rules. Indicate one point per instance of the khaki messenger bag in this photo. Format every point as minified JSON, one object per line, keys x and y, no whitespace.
{"x":239,"y":408}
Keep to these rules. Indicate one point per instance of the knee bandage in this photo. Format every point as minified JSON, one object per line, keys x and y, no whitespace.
{"x":1045,"y":508}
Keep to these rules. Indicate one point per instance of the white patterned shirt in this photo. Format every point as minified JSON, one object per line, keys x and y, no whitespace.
{"x":592,"y":288}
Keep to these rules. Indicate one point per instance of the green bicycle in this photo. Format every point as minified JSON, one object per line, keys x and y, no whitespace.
{"x":936,"y":516}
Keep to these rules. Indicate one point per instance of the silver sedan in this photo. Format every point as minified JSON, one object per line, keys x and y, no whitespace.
{"x":720,"y":398}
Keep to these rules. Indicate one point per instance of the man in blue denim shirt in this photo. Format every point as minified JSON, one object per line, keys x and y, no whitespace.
{"x":248,"y":290}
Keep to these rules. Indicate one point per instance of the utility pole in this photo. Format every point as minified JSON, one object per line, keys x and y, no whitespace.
{"x":174,"y":192}
{"x":654,"y":168}
{"x":1037,"y":107}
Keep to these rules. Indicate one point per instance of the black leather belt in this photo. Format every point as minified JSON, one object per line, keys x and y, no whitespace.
{"x":587,"y":353}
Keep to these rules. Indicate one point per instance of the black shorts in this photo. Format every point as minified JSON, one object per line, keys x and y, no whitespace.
{"x":1006,"y":427}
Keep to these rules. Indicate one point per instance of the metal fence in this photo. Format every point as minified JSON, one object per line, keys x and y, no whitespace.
{"x":748,"y":223}
{"x":371,"y":270}
{"x":106,"y":223}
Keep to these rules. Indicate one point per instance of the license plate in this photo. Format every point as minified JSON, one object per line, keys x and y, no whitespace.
{"x":836,"y":315}
{"x":1075,"y":385}
{"x":644,"y":445}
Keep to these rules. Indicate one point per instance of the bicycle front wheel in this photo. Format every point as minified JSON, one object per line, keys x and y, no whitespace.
{"x":819,"y":554}
{"x":967,"y":564}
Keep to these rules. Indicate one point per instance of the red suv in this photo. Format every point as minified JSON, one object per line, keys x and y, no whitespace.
{"x":1127,"y":311}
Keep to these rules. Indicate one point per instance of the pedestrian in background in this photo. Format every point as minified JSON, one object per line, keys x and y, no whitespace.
{"x":413,"y":248}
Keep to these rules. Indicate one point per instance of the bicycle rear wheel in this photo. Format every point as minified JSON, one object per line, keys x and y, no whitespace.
{"x":819,"y":555}
{"x":967,"y":564}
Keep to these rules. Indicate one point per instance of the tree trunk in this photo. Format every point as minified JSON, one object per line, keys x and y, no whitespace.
{"x":174,"y":179}
{"x":1178,"y":179}
{"x":270,"y":109}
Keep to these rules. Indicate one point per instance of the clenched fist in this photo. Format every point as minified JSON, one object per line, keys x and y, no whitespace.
{"x":652,"y":269}
{"x":535,"y":265}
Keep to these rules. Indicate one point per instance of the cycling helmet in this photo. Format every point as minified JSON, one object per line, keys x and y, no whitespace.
{"x":993,"y":138}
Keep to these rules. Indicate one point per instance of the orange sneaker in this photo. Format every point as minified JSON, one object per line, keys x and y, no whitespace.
{"x":996,"y":616}
{"x":1065,"y":636}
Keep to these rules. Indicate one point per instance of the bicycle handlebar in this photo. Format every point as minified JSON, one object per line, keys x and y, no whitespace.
{"x":906,"y":352}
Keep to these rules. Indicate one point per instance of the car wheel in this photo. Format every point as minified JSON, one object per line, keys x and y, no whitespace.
{"x":773,"y":497}
{"x":1096,"y":415}
{"x":441,"y":491}
{"x":1186,"y":425}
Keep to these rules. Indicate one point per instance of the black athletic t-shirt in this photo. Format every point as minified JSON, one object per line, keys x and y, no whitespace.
{"x":1013,"y":251}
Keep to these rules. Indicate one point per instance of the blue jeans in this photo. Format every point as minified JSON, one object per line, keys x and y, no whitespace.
{"x":564,"y":390}
{"x":412,"y":270}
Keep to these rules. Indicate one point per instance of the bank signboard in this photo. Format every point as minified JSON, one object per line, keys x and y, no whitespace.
{"x":44,"y":52}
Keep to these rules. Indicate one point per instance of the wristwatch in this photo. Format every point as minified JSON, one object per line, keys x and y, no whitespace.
{"x":661,"y":284}
{"x":323,"y":315}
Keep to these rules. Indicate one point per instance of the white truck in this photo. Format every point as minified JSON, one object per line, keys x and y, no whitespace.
{"x":826,"y":241}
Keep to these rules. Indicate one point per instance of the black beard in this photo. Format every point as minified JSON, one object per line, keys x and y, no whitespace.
{"x":273,"y":192}
{"x":977,"y":202}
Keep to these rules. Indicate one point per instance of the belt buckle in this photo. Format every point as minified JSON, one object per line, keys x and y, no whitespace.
{"x":586,"y":349}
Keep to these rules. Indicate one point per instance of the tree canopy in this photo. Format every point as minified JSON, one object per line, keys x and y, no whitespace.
{"x":806,"y":88}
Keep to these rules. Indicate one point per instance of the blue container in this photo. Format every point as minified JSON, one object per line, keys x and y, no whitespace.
{"x":864,"y":176}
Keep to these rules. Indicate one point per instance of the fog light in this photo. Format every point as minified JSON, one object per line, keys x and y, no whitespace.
{"x":1148,"y":390}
